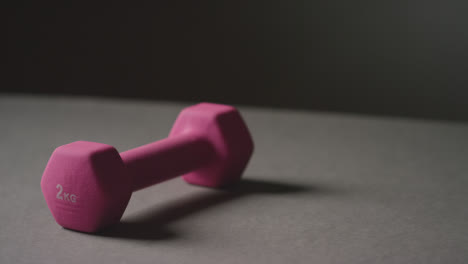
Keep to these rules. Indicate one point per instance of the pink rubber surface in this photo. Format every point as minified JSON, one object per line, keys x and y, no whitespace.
{"x":227,"y":133}
{"x":96,"y":176}
{"x":165,"y":159}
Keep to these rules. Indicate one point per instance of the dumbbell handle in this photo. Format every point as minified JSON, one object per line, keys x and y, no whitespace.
{"x":167,"y":158}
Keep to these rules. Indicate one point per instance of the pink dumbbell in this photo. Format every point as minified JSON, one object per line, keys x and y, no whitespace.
{"x":87,"y":185}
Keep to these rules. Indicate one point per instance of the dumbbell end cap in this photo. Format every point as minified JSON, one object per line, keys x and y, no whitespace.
{"x":86,"y":186}
{"x":224,"y":128}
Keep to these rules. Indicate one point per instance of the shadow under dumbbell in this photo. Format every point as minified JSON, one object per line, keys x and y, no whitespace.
{"x":153,"y":225}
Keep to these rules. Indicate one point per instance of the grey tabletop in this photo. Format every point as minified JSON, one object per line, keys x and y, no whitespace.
{"x":320,"y":188}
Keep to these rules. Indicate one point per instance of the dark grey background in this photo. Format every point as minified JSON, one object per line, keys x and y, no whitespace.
{"x":377,"y":57}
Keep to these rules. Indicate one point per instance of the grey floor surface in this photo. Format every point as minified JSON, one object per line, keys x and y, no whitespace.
{"x":320,"y":188}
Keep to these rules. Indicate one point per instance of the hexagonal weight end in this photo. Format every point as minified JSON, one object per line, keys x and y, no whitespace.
{"x":227,"y":132}
{"x":86,"y":186}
